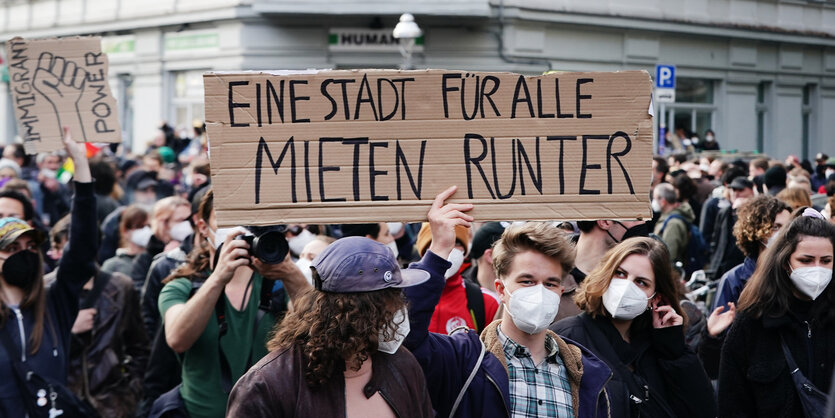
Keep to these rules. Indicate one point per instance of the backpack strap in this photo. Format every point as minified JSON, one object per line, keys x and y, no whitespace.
{"x":468,"y":381}
{"x":671,"y":217}
{"x":475,"y":304}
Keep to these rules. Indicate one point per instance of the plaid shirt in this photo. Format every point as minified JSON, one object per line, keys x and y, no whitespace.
{"x":541,"y":390}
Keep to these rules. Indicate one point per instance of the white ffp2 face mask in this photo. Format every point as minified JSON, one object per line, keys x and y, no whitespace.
{"x":220,"y":236}
{"x":624,"y":299}
{"x":394,"y":227}
{"x":656,"y":205}
{"x":298,"y":242}
{"x":456,"y":257}
{"x":393,"y":247}
{"x":402,"y":328}
{"x":533,"y":308}
{"x":181,"y":231}
{"x":304,"y":265}
{"x":811,"y":281}
{"x":141,"y":236}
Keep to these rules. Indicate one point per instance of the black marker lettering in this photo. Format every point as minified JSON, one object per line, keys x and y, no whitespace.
{"x":307,"y":170}
{"x":259,"y":158}
{"x":278,"y":98}
{"x":609,"y":156}
{"x":324,"y":89}
{"x":372,"y":173}
{"x":520,"y":83}
{"x":562,"y":154}
{"x":369,"y":99}
{"x":584,"y":166}
{"x":232,"y":104}
{"x":557,"y":97}
{"x":495,"y":169}
{"x":400,"y":156}
{"x":323,"y":169}
{"x":380,"y":98}
{"x":356,"y":142}
{"x":581,"y":81}
{"x":475,"y":98}
{"x":446,"y":89}
{"x":536,"y":178}
{"x":484,"y":94}
{"x":540,"y":114}
{"x":258,"y":102}
{"x":402,"y":82}
{"x":475,"y":161}
{"x":293,"y":100}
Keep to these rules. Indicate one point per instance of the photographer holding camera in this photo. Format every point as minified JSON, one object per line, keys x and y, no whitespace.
{"x":221,"y":326}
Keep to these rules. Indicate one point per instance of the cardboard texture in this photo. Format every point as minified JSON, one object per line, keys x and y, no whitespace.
{"x":61,"y":82}
{"x":378,"y":145}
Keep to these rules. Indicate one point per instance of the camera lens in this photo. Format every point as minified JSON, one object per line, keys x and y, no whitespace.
{"x":270,"y":247}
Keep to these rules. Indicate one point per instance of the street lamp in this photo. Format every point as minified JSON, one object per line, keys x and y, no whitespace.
{"x":407,"y":31}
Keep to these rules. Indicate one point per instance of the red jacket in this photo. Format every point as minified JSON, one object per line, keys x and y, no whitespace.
{"x":451,"y":312}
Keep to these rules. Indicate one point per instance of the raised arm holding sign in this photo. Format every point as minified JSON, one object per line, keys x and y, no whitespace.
{"x":57,"y":83}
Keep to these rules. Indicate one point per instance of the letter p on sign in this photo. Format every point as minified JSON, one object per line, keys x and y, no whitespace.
{"x":665,"y":76}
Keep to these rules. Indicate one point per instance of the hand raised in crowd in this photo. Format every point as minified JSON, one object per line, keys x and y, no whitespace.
{"x":78,"y":153}
{"x":664,"y":316}
{"x":719,"y":321}
{"x":233,"y":254}
{"x":443,"y":217}
{"x":84,"y":321}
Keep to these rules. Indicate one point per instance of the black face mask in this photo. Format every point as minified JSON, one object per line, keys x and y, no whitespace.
{"x":640,"y":230}
{"x":21,"y":269}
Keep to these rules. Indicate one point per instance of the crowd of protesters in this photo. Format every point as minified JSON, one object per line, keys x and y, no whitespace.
{"x":121,"y":295}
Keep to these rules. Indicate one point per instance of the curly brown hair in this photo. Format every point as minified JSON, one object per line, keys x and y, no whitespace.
{"x":755,"y":223}
{"x":337,"y":329}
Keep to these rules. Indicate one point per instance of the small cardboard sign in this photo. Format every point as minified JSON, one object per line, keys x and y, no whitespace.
{"x":378,"y":145}
{"x":61,"y":82}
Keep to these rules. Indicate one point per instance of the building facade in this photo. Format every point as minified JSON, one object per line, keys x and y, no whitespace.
{"x":761,"y":74}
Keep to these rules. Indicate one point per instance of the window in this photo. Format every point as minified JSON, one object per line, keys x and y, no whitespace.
{"x":808,"y":118}
{"x":693,"y":111}
{"x":694,"y":90}
{"x":763,"y":90}
{"x":124,"y":99}
{"x":187,"y":100}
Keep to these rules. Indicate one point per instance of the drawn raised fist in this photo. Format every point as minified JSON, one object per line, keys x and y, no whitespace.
{"x":61,"y":82}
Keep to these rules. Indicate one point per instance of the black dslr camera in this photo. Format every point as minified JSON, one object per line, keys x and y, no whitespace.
{"x":269,"y":246}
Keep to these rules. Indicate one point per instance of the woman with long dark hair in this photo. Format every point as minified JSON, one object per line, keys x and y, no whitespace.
{"x":632,"y":320}
{"x":784,"y":330}
{"x":35,"y":320}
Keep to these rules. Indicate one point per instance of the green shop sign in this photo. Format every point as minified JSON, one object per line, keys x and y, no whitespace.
{"x":190,"y":42}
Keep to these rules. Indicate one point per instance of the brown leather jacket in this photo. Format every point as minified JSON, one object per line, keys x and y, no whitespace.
{"x":276,"y":387}
{"x":114,"y":353}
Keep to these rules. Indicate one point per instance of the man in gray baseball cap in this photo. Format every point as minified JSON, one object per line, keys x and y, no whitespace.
{"x":358,"y":264}
{"x":339,"y":352}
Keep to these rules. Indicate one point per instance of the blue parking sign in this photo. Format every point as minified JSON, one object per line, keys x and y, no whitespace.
{"x":665,"y":76}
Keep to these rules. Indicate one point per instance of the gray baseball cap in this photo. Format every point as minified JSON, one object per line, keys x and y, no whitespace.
{"x":359,"y":264}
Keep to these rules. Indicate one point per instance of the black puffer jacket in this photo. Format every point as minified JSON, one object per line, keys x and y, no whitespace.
{"x":656,"y":367}
{"x":754,"y":377}
{"x":107,"y":363}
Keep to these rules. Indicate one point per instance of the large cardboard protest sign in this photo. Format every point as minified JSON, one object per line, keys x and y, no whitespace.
{"x":61,"y":82}
{"x":375,"y":145}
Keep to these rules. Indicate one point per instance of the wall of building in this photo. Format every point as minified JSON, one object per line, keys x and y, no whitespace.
{"x":755,"y":56}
